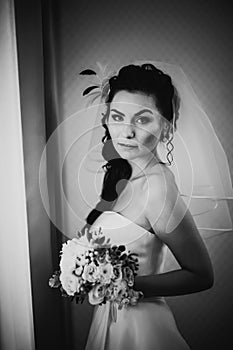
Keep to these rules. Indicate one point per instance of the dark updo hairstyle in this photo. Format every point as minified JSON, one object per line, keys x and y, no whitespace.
{"x":145,"y":79}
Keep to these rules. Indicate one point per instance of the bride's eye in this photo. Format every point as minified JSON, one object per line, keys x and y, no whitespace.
{"x":144,"y":120}
{"x":116,"y":116}
{"x":141,"y":120}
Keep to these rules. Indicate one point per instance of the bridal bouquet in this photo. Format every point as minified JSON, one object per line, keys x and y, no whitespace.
{"x":99,"y":272}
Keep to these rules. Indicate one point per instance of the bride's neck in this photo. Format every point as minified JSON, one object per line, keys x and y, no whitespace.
{"x":138,"y":168}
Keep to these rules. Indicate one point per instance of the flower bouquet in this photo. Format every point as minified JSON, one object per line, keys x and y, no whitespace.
{"x":99,"y":272}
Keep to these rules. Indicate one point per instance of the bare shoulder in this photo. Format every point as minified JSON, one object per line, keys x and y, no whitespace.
{"x":164,"y":204}
{"x":174,"y":225}
{"x":159,"y":181}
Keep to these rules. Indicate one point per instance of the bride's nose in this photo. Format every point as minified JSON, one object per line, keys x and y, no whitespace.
{"x":128,"y":131}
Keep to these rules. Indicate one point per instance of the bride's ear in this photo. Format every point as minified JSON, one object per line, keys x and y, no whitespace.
{"x":165,"y":128}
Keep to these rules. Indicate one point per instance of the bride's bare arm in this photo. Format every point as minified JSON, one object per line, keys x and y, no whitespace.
{"x":174,"y":225}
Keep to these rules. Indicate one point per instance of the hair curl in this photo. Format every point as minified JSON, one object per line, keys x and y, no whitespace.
{"x":151,"y":81}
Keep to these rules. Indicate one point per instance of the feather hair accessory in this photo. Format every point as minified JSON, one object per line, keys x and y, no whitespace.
{"x":100,"y":87}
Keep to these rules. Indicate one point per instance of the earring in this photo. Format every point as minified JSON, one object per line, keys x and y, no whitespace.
{"x":104,"y":139}
{"x":170,"y":147}
{"x":169,"y":155}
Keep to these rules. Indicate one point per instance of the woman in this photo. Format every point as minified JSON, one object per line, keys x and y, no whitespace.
{"x":146,"y":213}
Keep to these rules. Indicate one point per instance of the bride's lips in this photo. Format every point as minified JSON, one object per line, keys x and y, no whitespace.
{"x":125,"y":145}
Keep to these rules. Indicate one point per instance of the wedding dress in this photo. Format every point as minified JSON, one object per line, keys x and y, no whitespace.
{"x":148,"y":325}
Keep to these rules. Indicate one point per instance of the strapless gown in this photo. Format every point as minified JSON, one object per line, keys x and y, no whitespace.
{"x":148,"y":325}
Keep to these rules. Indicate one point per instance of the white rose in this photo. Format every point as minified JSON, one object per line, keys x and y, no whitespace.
{"x":90,"y":272}
{"x":78,"y":271}
{"x":73,"y":247}
{"x":81,"y":260}
{"x":70,"y":250}
{"x":67,"y":264}
{"x":70,"y":283}
{"x":97,"y":294}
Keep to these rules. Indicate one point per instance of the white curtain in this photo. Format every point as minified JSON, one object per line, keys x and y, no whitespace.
{"x":16,"y":317}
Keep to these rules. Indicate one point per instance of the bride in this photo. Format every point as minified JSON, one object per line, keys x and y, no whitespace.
{"x":142,"y":208}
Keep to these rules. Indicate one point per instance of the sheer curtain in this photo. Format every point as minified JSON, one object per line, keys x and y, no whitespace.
{"x":32,"y":315}
{"x":76,"y":318}
{"x":16,"y":318}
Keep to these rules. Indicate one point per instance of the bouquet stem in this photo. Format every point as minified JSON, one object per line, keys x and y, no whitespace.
{"x":113,"y":311}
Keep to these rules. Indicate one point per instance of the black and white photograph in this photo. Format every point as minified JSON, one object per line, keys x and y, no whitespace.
{"x":116,"y":179}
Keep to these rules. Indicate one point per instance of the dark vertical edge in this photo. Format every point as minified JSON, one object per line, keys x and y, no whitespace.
{"x":53,"y":109}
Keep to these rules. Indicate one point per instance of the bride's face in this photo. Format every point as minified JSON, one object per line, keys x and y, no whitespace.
{"x":134,"y":120}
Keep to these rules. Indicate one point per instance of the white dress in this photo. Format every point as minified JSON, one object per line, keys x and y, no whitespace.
{"x":148,"y":325}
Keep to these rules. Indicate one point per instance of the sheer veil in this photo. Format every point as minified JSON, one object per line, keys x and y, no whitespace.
{"x":200,"y":165}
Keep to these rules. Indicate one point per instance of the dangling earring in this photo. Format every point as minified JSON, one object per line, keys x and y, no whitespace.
{"x":165,"y":137}
{"x":169,"y":155}
{"x":171,"y":131}
{"x":104,"y":139}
